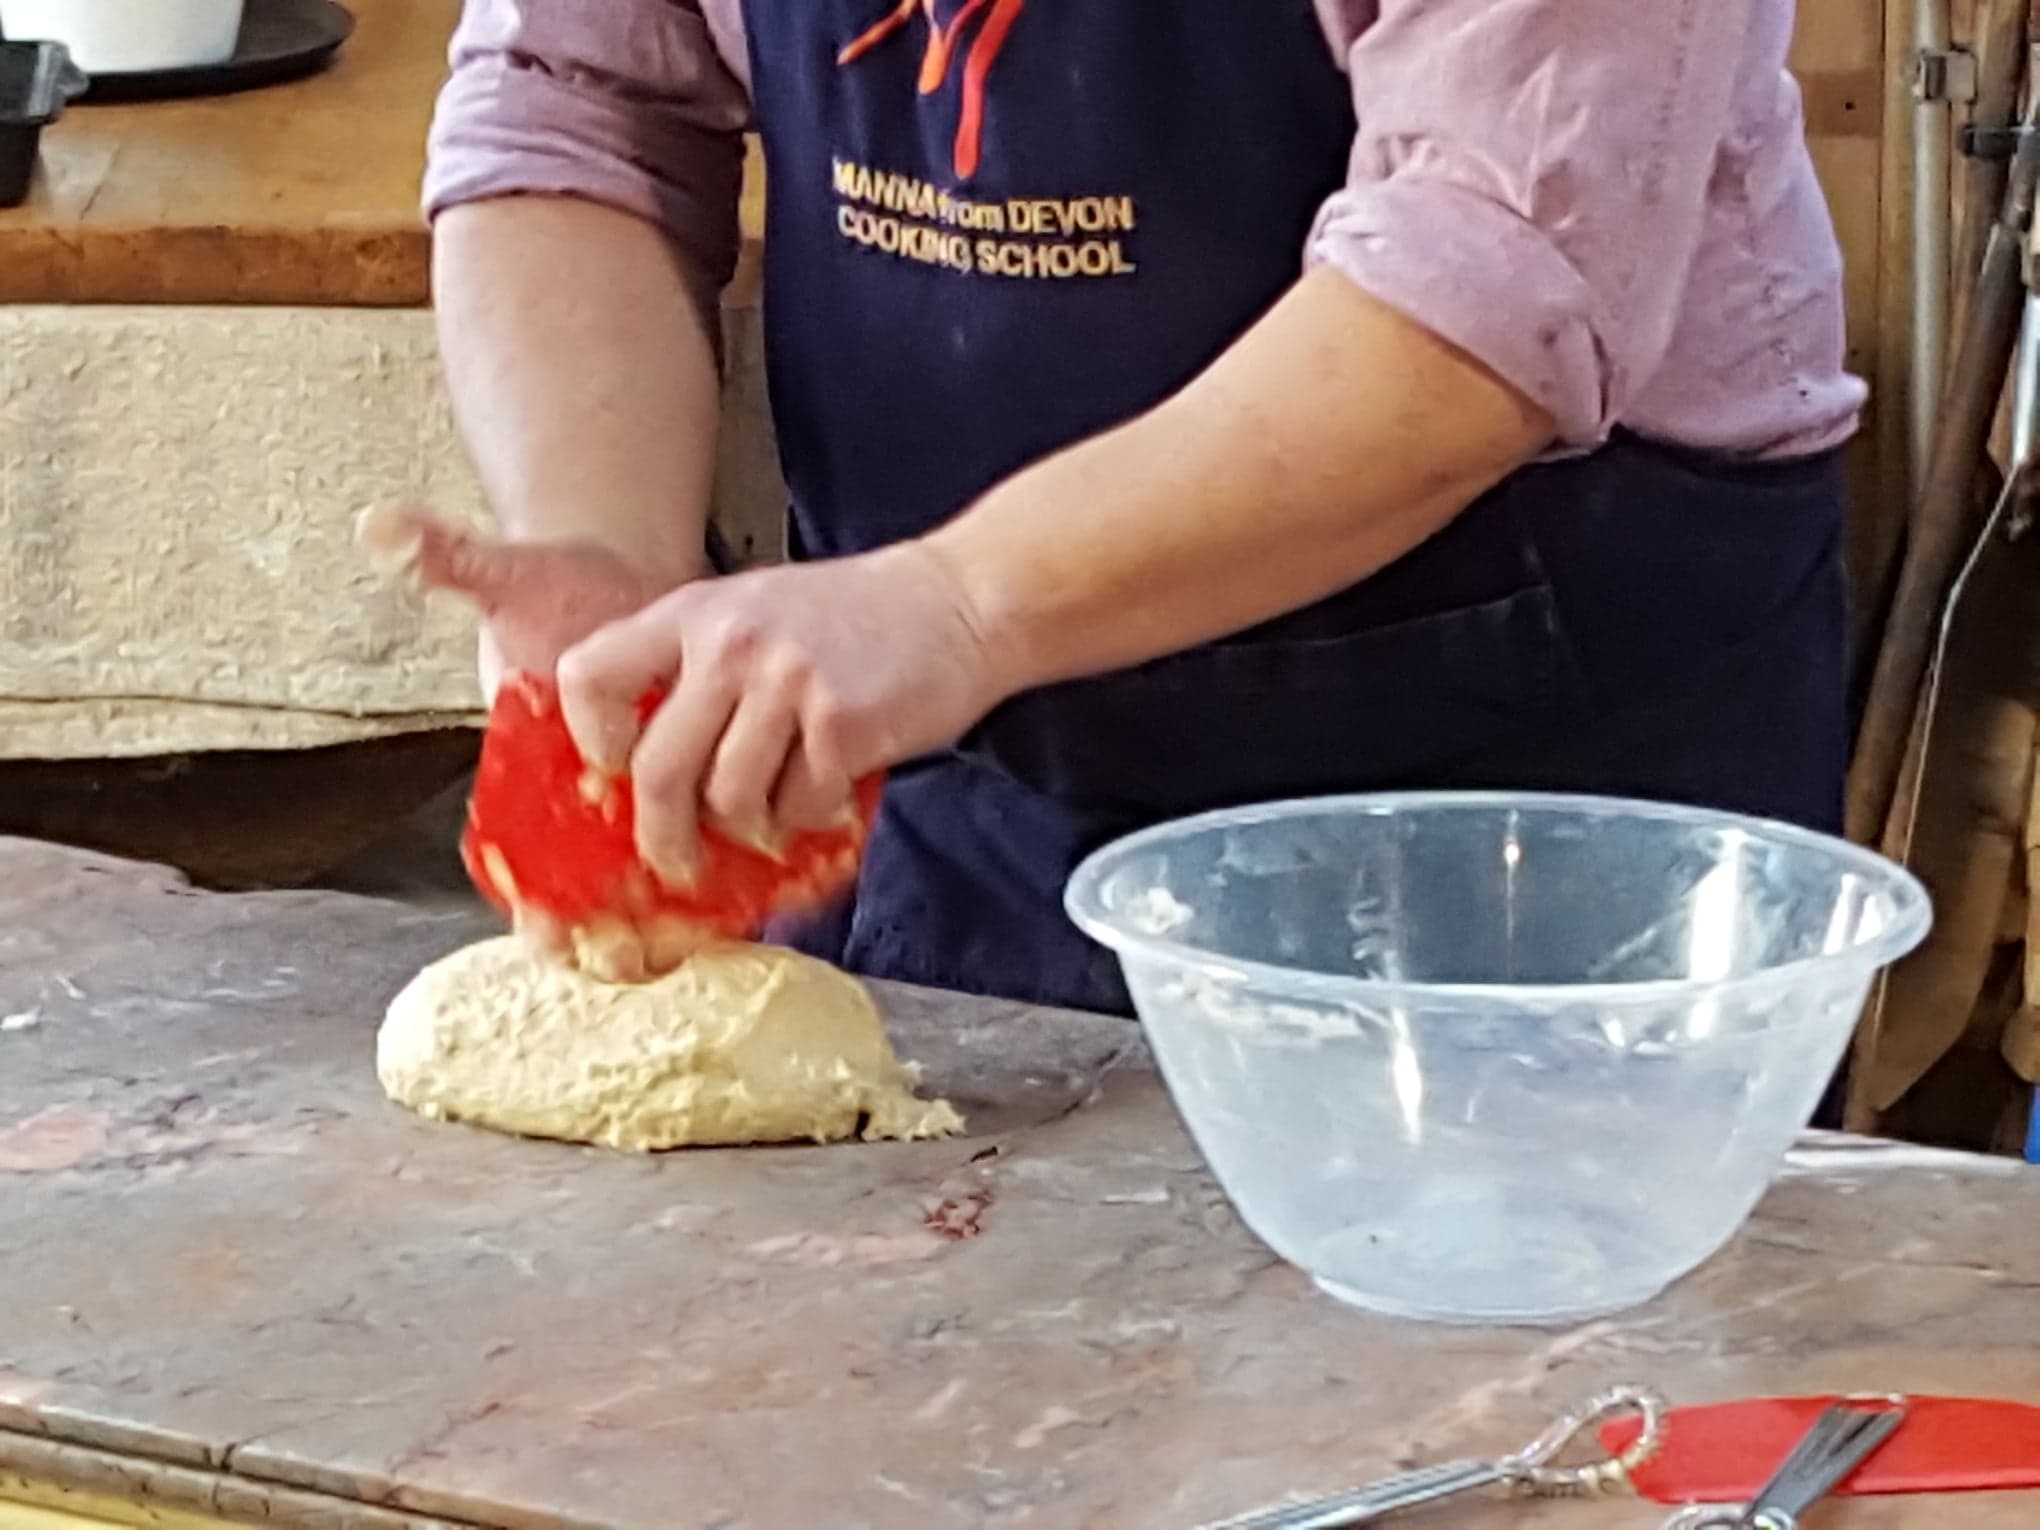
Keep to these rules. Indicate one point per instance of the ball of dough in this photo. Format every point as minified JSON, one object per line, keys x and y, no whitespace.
{"x":741,"y":1044}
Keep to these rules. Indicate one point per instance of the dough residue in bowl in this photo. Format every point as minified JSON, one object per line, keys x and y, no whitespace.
{"x":1157,"y":911}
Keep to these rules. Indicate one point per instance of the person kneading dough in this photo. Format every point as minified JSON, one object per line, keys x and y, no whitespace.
{"x":740,"y":1044}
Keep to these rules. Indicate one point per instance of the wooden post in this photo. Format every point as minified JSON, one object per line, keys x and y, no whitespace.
{"x":1839,"y":56}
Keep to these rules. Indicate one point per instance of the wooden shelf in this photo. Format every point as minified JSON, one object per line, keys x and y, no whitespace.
{"x":303,"y":194}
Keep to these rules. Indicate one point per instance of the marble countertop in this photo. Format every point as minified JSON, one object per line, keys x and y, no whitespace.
{"x":238,"y":1280}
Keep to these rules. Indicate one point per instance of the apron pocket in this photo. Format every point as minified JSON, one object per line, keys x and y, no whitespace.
{"x":1259,"y":719}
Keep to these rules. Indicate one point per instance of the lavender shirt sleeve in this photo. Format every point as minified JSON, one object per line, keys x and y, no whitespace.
{"x":1607,"y":202}
{"x":625,"y":102}
{"x":1530,"y":180}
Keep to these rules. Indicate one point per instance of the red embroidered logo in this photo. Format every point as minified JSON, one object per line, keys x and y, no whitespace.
{"x":996,"y":25}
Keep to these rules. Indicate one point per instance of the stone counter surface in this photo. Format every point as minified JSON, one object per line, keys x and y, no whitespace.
{"x":213,"y":353}
{"x":236,"y":1277}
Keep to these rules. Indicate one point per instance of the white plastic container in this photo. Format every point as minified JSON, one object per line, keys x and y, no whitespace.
{"x":129,"y":36}
{"x":1495,"y":1059}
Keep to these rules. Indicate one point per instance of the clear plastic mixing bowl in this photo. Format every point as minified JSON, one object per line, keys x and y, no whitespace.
{"x":1495,"y":1058}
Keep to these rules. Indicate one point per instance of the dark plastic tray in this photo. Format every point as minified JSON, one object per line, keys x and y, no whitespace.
{"x":36,"y":80}
{"x":280,"y":40}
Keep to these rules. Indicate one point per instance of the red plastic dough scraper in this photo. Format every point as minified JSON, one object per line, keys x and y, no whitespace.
{"x":1724,"y":1453}
{"x":545,"y":836}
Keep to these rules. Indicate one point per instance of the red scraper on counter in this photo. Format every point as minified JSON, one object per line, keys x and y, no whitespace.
{"x":545,"y":836}
{"x":1725,"y":1453}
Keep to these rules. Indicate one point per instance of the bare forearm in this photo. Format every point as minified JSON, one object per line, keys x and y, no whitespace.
{"x":582,"y":374}
{"x":1330,"y":440}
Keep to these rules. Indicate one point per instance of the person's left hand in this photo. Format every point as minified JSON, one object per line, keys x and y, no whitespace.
{"x":786,"y":685}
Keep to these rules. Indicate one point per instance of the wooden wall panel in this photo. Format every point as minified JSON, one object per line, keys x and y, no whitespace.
{"x":1840,"y":57}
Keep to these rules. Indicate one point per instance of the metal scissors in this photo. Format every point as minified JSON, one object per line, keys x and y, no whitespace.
{"x":1841,"y":1439}
{"x":1532,"y":1470}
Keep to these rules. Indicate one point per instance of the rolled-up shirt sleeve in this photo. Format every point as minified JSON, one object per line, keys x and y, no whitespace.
{"x":624,"y":102}
{"x":1530,"y":180}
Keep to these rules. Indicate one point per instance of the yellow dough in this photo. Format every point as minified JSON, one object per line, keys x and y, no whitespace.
{"x":742,"y":1044}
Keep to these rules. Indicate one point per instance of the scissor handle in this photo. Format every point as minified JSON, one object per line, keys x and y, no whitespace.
{"x":1535,"y":1467}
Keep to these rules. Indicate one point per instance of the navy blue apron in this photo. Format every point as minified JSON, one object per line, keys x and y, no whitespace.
{"x":1000,"y":226}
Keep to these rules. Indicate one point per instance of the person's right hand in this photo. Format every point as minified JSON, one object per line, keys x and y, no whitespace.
{"x":536,"y":599}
